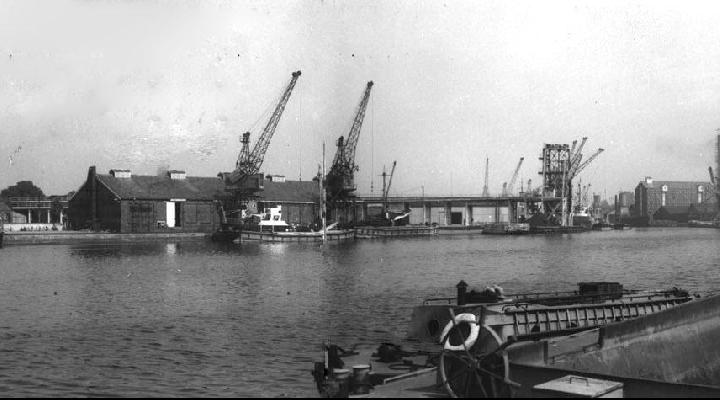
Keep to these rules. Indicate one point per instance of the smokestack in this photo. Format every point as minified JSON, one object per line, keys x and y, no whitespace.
{"x":617,"y":210}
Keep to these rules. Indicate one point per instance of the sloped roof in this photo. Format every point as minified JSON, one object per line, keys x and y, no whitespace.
{"x":291,"y":191}
{"x":162,"y":187}
{"x":672,"y":210}
{"x":203,"y":188}
{"x":677,"y":184}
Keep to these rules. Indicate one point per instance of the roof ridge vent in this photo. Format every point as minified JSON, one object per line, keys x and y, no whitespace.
{"x":276,"y":178}
{"x":176,"y":174}
{"x":121,"y":173}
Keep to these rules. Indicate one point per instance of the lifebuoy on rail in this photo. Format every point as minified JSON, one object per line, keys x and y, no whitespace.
{"x":468,"y":318}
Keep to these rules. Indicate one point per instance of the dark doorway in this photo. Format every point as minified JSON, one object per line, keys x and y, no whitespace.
{"x":455,"y":218}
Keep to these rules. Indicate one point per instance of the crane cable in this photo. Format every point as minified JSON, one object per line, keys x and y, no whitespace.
{"x":372,"y":140}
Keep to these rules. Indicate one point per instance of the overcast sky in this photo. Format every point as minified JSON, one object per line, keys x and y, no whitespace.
{"x":152,"y":84}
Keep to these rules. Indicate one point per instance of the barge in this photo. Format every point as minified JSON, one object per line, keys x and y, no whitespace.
{"x":506,"y":229}
{"x":601,"y":339}
{"x":270,"y":227}
{"x":370,"y":232}
{"x":331,"y":235}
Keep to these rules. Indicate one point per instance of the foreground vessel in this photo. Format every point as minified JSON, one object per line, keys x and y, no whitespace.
{"x":601,"y":338}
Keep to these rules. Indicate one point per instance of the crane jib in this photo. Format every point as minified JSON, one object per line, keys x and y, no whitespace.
{"x":249,"y":162}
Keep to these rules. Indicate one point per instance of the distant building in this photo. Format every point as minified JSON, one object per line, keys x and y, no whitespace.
{"x":6,"y":213}
{"x":679,"y":200}
{"x":174,"y":202}
{"x":300,"y":200}
{"x":626,"y":199}
{"x":125,"y":203}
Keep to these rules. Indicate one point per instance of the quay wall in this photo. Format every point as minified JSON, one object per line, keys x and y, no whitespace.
{"x":68,"y":236}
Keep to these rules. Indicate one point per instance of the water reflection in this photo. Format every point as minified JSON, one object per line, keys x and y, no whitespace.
{"x":214,"y":319}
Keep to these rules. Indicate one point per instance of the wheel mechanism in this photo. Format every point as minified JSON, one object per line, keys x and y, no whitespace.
{"x":479,"y":371}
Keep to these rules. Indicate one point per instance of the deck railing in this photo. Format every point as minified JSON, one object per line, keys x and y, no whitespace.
{"x":36,"y":202}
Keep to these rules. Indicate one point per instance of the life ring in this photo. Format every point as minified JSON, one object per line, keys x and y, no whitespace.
{"x":470,"y":341}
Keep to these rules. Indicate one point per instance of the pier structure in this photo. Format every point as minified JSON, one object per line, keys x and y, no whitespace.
{"x":449,"y":210}
{"x":44,"y":210}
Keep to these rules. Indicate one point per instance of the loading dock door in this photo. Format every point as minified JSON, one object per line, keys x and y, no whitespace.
{"x":142,"y":217}
{"x":456,"y":218}
{"x":170,"y":213}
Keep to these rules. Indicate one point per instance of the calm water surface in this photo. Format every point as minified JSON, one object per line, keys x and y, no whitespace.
{"x":196,"y":318}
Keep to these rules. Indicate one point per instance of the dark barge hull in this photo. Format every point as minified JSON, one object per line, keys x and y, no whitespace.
{"x":673,"y":351}
{"x":425,"y":385}
{"x":679,"y":345}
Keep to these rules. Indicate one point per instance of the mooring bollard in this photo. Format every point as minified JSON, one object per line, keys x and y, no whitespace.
{"x":361,"y":379}
{"x":342,"y":376}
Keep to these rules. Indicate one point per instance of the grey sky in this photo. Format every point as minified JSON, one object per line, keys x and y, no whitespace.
{"x":142,"y":85}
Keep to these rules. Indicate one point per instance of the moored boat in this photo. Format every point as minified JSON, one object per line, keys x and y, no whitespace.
{"x":488,"y":344}
{"x":506,"y":229}
{"x":601,"y":226}
{"x":370,"y":232}
{"x":289,"y":236}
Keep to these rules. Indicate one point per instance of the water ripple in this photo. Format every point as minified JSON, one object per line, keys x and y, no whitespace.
{"x":132,"y":320}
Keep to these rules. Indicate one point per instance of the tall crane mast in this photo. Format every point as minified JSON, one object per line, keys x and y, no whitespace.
{"x":340,"y":179}
{"x":508,"y":188}
{"x":243,"y":179}
{"x":386,"y":188}
{"x":485,"y":192}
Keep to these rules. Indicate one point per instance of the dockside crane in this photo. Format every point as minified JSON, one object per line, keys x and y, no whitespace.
{"x":508,"y":186}
{"x":576,"y":153}
{"x":392,"y":216}
{"x":386,"y":188}
{"x":340,"y":182}
{"x":485,"y":192}
{"x":561,"y":164}
{"x":245,"y":180}
{"x":578,"y":166}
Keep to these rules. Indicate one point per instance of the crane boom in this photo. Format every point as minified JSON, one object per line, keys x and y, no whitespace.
{"x":347,"y":153}
{"x":249,"y":162}
{"x":509,"y":187}
{"x":485,"y":192}
{"x":585,"y":163}
{"x":340,"y":178}
{"x":576,"y":156}
{"x":572,"y":149}
{"x":386,"y":189}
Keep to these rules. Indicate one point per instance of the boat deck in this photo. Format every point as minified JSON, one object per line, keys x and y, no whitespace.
{"x":641,"y":344}
{"x":421,"y":381}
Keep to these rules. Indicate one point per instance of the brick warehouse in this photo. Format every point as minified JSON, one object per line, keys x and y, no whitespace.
{"x":174,"y":202}
{"x":677,"y":200}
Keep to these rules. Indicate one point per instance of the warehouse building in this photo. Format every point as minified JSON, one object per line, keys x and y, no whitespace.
{"x":676,"y":201}
{"x":123,"y":202}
